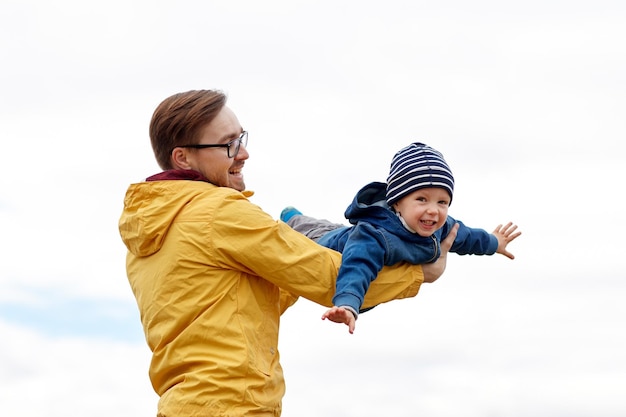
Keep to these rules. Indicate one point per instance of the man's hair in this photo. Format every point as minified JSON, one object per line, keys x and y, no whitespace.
{"x":179,"y":119}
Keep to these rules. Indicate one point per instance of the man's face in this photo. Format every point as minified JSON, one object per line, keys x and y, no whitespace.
{"x":214,"y":163}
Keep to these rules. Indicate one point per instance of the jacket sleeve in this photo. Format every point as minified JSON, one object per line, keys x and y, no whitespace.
{"x":287,"y":299}
{"x":471,"y":241}
{"x":247,"y":239}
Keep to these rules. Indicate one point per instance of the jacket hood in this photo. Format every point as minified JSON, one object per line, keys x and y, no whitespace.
{"x":150,"y":208}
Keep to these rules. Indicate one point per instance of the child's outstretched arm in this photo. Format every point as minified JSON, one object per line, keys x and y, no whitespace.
{"x":341,"y":315}
{"x":506,"y":234}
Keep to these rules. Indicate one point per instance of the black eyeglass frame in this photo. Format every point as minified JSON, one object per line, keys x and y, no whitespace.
{"x":242,"y":139}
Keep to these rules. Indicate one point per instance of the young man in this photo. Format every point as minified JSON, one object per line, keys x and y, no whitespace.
{"x":212,"y":272}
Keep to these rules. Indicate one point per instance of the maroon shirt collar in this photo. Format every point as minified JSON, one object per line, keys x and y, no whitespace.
{"x":178,"y":174}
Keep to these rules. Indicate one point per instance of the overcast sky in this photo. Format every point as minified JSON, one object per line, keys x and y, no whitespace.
{"x":526,"y":100}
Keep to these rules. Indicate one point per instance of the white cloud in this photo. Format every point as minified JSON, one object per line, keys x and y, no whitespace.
{"x":470,"y":345}
{"x":72,"y":376}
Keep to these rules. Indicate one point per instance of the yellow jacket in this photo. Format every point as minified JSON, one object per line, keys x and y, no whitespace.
{"x":212,"y":273}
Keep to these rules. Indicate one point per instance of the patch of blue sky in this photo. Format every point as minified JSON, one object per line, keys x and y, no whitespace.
{"x":61,"y":316}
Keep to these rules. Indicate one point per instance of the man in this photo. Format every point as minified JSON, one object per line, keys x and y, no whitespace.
{"x":212,"y":272}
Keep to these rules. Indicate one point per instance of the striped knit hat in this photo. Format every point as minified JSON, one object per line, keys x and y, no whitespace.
{"x":417,"y":166}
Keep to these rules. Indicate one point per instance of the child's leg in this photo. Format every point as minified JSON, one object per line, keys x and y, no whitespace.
{"x":311,"y":227}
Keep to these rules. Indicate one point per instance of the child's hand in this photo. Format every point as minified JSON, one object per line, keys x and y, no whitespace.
{"x":341,"y":315}
{"x":505,"y":234}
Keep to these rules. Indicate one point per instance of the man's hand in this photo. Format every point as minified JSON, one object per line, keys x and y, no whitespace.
{"x":433,"y":271}
{"x":341,"y":315}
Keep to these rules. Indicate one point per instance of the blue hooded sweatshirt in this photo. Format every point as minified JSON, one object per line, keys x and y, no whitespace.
{"x":377,"y":237}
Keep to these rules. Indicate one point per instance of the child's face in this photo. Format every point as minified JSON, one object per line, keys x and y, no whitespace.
{"x":424,"y":210}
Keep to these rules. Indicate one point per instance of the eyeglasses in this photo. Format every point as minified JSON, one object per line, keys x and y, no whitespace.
{"x":232,"y":146}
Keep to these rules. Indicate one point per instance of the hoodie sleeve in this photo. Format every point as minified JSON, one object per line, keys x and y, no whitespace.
{"x":471,"y":241}
{"x":363,"y":258}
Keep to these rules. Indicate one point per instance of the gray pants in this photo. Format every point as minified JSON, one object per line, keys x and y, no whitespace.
{"x":311,"y":227}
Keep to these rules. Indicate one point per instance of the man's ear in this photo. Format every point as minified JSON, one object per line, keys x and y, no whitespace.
{"x":179,"y":159}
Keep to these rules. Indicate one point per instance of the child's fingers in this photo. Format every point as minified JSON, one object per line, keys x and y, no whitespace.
{"x":508,"y":231}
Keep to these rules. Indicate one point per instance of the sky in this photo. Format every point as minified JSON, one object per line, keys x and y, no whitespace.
{"x":526,"y":100}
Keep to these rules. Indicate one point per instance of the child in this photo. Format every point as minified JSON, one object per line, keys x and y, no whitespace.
{"x":403,"y":220}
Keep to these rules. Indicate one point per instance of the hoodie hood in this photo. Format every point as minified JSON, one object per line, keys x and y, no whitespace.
{"x":369,"y":203}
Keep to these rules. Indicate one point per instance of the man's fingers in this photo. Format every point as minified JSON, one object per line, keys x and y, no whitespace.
{"x":446,"y":244}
